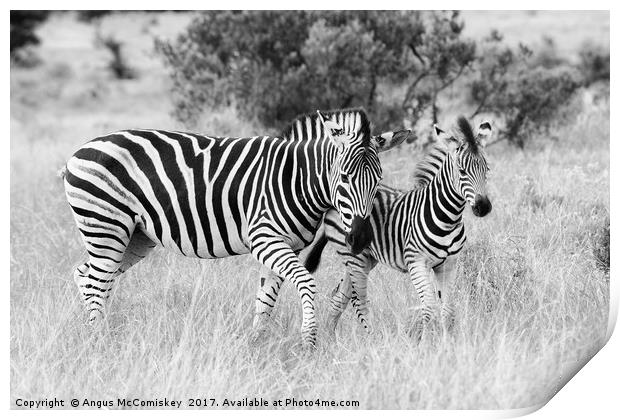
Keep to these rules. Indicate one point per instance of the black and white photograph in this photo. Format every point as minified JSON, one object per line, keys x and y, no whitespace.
{"x":307,"y":209}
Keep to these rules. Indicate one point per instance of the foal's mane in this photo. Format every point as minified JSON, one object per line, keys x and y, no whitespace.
{"x":467,"y":134}
{"x":429,"y":166}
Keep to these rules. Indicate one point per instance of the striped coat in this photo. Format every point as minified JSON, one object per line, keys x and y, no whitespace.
{"x":418,"y":230}
{"x":211,"y":197}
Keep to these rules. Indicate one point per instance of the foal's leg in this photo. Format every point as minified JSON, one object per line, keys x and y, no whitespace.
{"x":359,"y":266}
{"x":425,"y":287}
{"x":445,"y":275}
{"x":340,"y":297}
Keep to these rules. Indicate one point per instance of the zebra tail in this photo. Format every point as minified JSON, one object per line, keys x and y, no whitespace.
{"x":62,"y":172}
{"x":316,"y":250}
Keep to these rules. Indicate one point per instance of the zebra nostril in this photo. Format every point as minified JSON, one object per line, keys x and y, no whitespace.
{"x":482,"y":206}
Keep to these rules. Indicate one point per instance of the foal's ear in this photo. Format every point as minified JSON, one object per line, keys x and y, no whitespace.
{"x":484,"y":133}
{"x":446,"y":139}
{"x":389,"y":139}
{"x":334,"y":130}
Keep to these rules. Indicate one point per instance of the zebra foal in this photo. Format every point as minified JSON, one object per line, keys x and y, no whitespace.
{"x":416,"y":231}
{"x":212,"y":197}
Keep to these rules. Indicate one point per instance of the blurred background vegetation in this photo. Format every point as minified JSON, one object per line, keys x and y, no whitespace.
{"x":405,"y":67}
{"x":400,"y":65}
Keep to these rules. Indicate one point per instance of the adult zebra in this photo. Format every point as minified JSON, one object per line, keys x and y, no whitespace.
{"x":417,"y":230}
{"x":210,"y":197}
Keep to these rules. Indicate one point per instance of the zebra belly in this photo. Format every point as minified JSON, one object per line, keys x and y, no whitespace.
{"x":393,"y":258}
{"x":389,"y":248}
{"x":436,"y":255}
{"x":192,"y":239}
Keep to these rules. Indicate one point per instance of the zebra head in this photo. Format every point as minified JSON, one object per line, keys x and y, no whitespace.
{"x":467,"y":152}
{"x":356,"y":172}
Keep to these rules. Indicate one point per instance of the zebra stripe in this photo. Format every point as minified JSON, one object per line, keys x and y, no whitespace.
{"x":211,"y":197}
{"x":271,"y":282}
{"x":418,"y":230}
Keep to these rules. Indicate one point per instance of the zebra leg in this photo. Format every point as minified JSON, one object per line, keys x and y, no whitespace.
{"x":108,"y":258}
{"x":95,"y":278}
{"x":338,"y":302}
{"x":359,"y":266}
{"x":139,"y":247}
{"x":445,"y":275}
{"x":266,"y":298}
{"x":280,"y":258}
{"x":424,"y":285}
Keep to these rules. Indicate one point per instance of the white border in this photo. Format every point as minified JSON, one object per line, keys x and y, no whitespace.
{"x":593,"y":392}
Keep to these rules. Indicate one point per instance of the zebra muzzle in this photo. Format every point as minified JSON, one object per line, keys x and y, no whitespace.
{"x":482,"y":205}
{"x":360,"y":235}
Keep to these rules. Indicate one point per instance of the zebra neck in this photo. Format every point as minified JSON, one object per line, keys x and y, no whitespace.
{"x":444,"y":196}
{"x":322,"y":160}
{"x":330,"y":158}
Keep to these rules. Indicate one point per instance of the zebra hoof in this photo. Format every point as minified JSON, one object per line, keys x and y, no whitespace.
{"x":308,"y":347}
{"x":261,"y":322}
{"x":416,"y":335}
{"x":95,"y":318}
{"x":256,"y":337}
{"x":332,"y":323}
{"x":417,"y":329}
{"x":331,"y":332}
{"x":308,"y":342}
{"x":448,"y":325}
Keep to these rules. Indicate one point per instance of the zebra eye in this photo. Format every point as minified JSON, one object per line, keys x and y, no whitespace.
{"x":344,"y":177}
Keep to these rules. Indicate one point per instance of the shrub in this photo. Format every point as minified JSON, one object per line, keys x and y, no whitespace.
{"x":594,"y":63}
{"x":23,"y":25}
{"x":274,"y":65}
{"x":118,"y":64}
{"x":90,"y":16}
{"x":522,"y":91}
{"x":532,"y":98}
{"x":547,"y":55}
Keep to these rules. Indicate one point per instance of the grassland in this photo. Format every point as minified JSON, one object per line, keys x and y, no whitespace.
{"x":532,"y":299}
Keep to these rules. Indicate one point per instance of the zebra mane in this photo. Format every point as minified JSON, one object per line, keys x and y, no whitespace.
{"x":311,"y":120}
{"x":429,"y":166}
{"x":467,"y":133}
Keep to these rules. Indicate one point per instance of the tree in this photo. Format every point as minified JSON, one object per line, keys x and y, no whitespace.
{"x":273,"y":65}
{"x":23,"y":25}
{"x":442,"y":58}
{"x":525,"y":94}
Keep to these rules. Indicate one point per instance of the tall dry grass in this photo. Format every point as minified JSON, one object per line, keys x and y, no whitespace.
{"x":532,"y":295}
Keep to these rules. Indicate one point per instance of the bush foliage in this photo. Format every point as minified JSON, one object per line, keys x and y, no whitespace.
{"x":594,"y":63}
{"x":23,"y":25}
{"x":273,"y":65}
{"x":526,"y":91}
{"x":118,"y":66}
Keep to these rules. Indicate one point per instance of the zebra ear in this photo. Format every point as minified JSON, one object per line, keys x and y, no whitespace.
{"x":389,"y":139}
{"x":334,"y":130}
{"x":484,"y":133}
{"x":446,"y":139}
